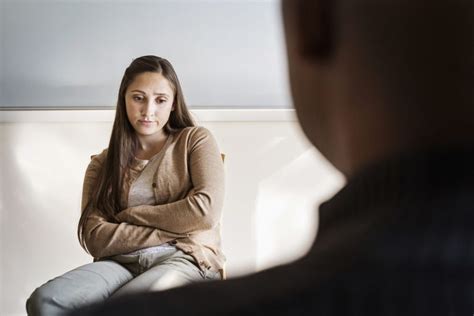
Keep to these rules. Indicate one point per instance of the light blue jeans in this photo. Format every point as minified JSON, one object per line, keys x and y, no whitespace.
{"x":116,"y":276}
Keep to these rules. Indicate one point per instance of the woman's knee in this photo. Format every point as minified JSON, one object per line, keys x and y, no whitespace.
{"x":40,"y":302}
{"x":56,"y":297}
{"x":90,"y":283}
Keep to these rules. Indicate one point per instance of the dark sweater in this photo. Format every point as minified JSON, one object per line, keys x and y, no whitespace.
{"x":398,"y":239}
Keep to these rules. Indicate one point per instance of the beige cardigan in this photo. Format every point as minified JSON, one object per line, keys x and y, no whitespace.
{"x":189,"y":193}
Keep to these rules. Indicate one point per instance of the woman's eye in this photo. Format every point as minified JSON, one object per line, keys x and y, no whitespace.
{"x":137,"y":98}
{"x":161,"y":100}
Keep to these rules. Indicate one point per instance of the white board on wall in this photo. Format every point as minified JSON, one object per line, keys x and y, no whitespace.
{"x":72,"y":53}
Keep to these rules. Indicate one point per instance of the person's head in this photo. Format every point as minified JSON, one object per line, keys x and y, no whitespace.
{"x":150,"y":92}
{"x":370,"y":78}
{"x":150,"y":104}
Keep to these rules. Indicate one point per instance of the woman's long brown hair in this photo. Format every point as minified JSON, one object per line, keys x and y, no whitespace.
{"x":106,"y":195}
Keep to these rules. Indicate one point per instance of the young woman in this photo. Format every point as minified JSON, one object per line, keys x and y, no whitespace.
{"x":151,"y":203}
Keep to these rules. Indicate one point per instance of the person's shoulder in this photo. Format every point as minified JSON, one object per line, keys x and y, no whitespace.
{"x":199,"y":131}
{"x":194,"y":133}
{"x":95,"y":163}
{"x":192,"y":130}
{"x":98,"y":159}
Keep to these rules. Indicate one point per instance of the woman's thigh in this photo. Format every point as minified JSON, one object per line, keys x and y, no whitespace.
{"x":90,"y":283}
{"x":175,"y":271}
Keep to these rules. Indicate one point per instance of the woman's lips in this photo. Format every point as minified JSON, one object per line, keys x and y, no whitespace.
{"x":146,"y":123}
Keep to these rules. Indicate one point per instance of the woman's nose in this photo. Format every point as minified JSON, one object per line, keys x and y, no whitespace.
{"x":149,"y":109}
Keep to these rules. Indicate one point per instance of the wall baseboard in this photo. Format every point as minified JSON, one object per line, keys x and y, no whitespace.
{"x":107,"y":115}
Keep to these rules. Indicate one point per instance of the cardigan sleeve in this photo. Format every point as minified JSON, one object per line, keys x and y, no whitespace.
{"x":201,"y":209}
{"x":103,"y":238}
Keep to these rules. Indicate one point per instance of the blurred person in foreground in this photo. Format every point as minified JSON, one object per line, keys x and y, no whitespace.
{"x":384,"y":89}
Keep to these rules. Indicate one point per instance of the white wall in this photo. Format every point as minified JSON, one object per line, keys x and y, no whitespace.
{"x":274,"y":182}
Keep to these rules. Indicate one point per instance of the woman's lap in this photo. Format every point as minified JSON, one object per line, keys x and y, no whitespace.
{"x":175,"y":271}
{"x":96,"y":282}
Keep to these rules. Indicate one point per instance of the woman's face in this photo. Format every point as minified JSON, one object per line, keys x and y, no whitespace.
{"x":149,"y":102}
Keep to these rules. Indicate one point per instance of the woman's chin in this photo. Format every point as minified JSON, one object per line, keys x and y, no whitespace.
{"x":148,"y":131}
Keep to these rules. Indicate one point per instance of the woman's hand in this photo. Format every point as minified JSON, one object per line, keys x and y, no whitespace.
{"x":123,"y":216}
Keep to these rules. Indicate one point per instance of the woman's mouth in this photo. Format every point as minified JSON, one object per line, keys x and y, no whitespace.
{"x":146,"y":123}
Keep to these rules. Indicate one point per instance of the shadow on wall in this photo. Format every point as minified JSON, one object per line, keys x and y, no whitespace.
{"x":275,"y":181}
{"x":287,"y":202}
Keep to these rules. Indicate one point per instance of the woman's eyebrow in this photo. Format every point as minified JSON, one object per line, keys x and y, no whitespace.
{"x":156,"y":93}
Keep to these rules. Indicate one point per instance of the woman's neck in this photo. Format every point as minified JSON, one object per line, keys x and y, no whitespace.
{"x":150,"y":145}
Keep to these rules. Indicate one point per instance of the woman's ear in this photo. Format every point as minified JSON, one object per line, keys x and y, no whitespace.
{"x":312,"y":23}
